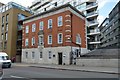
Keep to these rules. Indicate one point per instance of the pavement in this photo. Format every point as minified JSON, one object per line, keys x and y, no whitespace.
{"x":109,"y":70}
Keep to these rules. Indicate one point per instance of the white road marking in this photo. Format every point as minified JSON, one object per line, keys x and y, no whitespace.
{"x":16,"y":76}
{"x":20,"y":77}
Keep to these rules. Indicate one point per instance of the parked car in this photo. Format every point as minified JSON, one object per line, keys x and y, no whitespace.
{"x":1,"y":71}
{"x":4,"y":60}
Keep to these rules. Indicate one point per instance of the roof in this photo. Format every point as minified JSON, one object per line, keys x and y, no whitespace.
{"x":53,"y":10}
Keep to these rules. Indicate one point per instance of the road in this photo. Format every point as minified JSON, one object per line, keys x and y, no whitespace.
{"x":30,"y":73}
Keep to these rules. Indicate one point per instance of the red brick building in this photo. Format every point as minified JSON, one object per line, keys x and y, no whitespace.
{"x":49,"y":37}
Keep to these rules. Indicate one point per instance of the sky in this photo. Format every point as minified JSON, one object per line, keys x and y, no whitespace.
{"x":104,"y":6}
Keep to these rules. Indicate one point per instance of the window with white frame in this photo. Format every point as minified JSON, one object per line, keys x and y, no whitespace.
{"x":41,"y":24}
{"x":49,"y":39}
{"x":26,"y":42}
{"x":60,"y":38}
{"x":33,"y":41}
{"x":33,"y":27}
{"x":27,"y":29}
{"x":60,"y":21}
{"x":78,"y":39}
{"x":33,"y":55}
{"x":41,"y":40}
{"x":50,"y":54}
{"x":26,"y":55}
{"x":41,"y":55}
{"x":49,"y":23}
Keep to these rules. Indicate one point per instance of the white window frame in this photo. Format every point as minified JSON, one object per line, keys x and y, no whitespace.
{"x":41,"y":40}
{"x":33,"y":41}
{"x":49,"y":26}
{"x":78,"y":39}
{"x":41,"y":25}
{"x":49,"y":41}
{"x":60,"y":21}
{"x":26,"y":42}
{"x":60,"y":41}
{"x":27,"y":29}
{"x":33,"y":27}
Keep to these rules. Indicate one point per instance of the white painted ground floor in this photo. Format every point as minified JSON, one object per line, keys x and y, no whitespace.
{"x":51,"y":55}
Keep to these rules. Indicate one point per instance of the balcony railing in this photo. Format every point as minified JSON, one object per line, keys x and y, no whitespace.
{"x":94,"y":42}
{"x":92,"y":22}
{"x":93,"y":4}
{"x":92,"y":13}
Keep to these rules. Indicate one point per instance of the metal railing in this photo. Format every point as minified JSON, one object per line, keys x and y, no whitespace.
{"x":92,"y":13}
{"x":92,"y":4}
{"x":92,"y":22}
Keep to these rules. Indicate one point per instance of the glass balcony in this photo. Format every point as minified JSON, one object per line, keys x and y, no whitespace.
{"x":94,"y":42}
{"x":94,"y":33}
{"x":92,"y":5}
{"x":12,"y":5}
{"x":91,"y":14}
{"x":93,"y":23}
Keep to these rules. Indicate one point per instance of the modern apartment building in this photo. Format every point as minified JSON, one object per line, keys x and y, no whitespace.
{"x":1,"y":4}
{"x":55,"y":36}
{"x":11,"y":13}
{"x":110,"y":29}
{"x":88,"y":7}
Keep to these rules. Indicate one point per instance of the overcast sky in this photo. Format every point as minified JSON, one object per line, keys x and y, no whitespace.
{"x":105,"y":6}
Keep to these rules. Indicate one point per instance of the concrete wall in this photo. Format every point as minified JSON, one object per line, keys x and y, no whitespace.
{"x":45,"y":59}
{"x":97,"y":62}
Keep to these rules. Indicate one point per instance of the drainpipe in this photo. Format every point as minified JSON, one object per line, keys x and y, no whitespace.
{"x":71,"y":40}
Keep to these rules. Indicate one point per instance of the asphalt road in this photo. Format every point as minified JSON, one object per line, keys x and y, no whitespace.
{"x":32,"y":73}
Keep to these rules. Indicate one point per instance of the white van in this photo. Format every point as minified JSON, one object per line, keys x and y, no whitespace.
{"x":4,"y":59}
